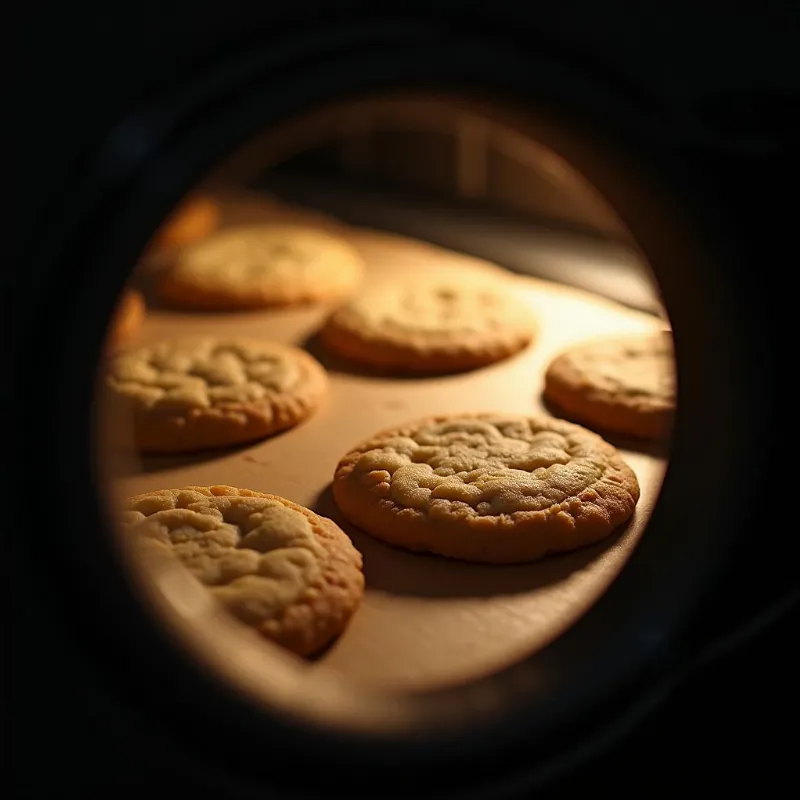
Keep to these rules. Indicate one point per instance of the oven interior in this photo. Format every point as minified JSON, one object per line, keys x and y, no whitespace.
{"x":419,"y":184}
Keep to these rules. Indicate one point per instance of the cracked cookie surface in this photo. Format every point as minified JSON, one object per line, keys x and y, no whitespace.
{"x":259,"y":266}
{"x":196,"y":394}
{"x":492,"y":488}
{"x":431,"y":326}
{"x":624,"y":385}
{"x":292,"y":575}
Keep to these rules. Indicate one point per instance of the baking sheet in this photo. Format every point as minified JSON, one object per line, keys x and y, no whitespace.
{"x":425,"y":621}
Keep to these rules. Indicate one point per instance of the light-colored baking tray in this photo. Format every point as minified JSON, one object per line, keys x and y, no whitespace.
{"x":425,"y":621}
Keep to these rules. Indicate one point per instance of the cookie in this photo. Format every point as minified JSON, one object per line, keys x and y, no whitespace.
{"x":197,"y":394}
{"x":284,"y":571}
{"x":260,"y":266}
{"x":432,"y":326}
{"x":196,"y":218}
{"x":624,"y":385}
{"x":491,"y":488}
{"x":127,"y":320}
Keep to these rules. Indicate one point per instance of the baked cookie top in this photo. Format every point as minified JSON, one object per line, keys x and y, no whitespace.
{"x":203,"y":373}
{"x":624,"y":384}
{"x":257,"y":266}
{"x":432,"y":323}
{"x":281,"y":569}
{"x":487,"y":487}
{"x":193,"y":393}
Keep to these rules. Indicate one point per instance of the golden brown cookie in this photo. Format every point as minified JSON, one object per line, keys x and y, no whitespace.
{"x":431,"y":325}
{"x":127,"y":320}
{"x":491,"y":488}
{"x":197,"y":217}
{"x":197,"y":394}
{"x":259,"y":266}
{"x":290,"y":574}
{"x":624,"y":385}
